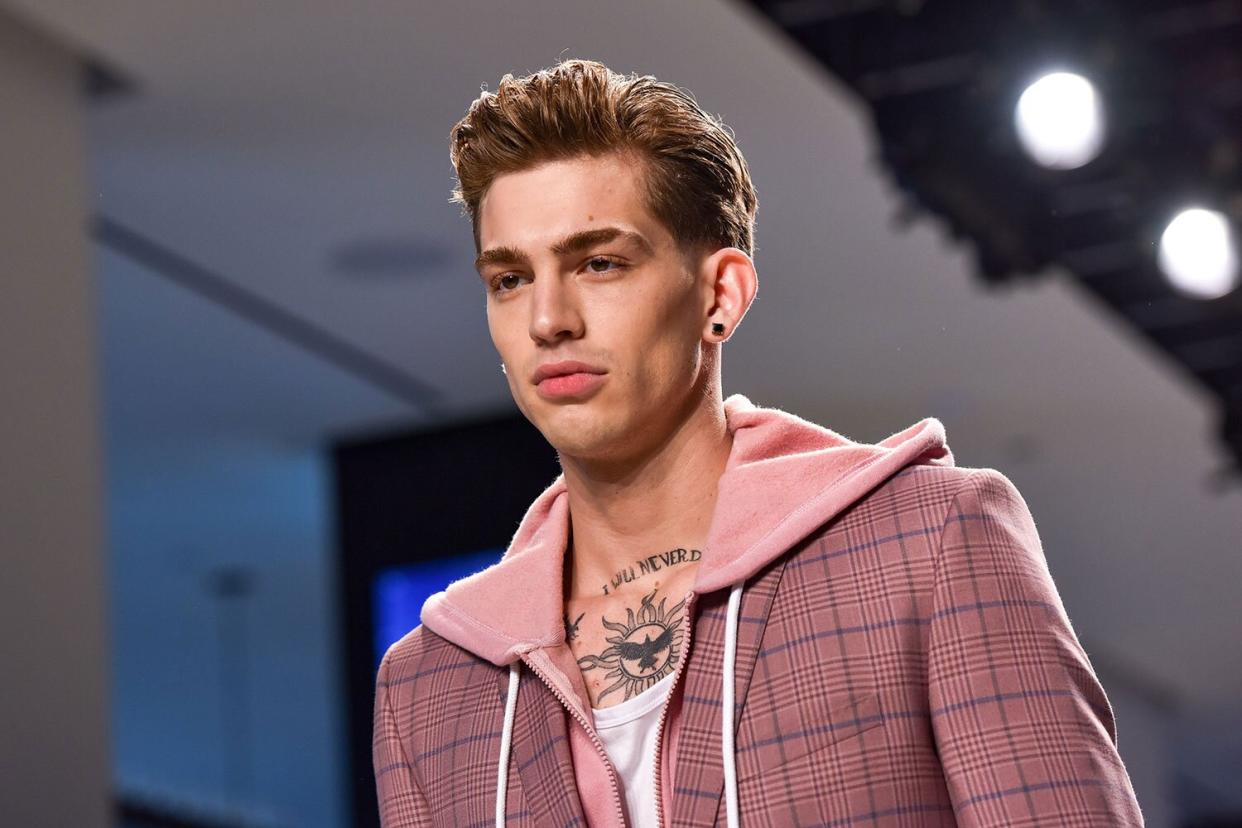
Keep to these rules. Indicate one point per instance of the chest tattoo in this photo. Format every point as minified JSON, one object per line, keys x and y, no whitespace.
{"x":645,"y":648}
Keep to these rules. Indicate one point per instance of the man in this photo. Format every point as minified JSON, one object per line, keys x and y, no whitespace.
{"x":719,"y":613}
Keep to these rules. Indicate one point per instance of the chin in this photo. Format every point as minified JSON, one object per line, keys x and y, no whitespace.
{"x":577,"y":430}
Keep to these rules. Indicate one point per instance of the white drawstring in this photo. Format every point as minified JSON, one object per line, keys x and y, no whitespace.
{"x":726,"y":707}
{"x":506,"y":739}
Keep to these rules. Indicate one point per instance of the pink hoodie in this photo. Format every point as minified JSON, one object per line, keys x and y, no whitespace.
{"x":785,"y":476}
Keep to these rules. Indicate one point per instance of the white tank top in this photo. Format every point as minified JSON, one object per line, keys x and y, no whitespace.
{"x":628,"y":731}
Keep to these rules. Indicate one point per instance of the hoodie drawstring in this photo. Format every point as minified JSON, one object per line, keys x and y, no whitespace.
{"x":506,"y":740}
{"x":727,"y":713}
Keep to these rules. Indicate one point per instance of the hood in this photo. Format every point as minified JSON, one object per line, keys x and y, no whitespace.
{"x":785,"y":477}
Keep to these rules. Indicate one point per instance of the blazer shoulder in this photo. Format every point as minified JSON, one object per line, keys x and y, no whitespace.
{"x":936,"y":493}
{"x":929,"y":483}
{"x":410,"y":646}
{"x":950,"y":481}
{"x":418,"y":652}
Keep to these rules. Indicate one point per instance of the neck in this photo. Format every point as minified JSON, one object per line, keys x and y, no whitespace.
{"x":650,"y":504}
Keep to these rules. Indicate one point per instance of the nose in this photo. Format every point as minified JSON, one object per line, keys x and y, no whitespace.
{"x":554,"y":312}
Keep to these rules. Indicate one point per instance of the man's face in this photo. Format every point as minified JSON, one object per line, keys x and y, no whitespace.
{"x":626,"y":305}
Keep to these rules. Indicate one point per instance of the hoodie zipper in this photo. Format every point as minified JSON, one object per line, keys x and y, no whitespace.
{"x":599,"y":745}
{"x":685,"y":656}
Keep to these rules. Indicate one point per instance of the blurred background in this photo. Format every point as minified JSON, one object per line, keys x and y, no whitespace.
{"x":252,"y":414}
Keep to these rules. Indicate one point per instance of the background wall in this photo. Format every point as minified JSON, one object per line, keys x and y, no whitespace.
{"x":53,"y":632}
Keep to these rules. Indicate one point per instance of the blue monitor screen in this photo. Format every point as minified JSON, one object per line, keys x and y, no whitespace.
{"x":398,"y":593}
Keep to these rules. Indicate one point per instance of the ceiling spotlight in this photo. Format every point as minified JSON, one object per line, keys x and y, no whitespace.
{"x":1060,"y":121}
{"x":1198,"y":254}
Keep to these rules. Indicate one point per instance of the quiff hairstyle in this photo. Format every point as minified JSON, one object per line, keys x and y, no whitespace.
{"x":697,"y":183}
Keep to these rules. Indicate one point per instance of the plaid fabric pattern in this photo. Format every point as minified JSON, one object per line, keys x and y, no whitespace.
{"x":910,"y":663}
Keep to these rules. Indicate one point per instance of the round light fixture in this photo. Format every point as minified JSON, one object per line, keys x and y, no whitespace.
{"x":1198,"y":254}
{"x":1060,"y":121}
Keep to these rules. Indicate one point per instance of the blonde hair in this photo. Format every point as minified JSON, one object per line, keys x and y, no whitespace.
{"x":697,"y":183}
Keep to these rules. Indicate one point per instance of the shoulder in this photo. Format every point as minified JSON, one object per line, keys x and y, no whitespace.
{"x":986,"y":497}
{"x":422,"y":658}
{"x":898,"y":526}
{"x":970,"y":526}
{"x":951,"y":486}
{"x":944,"y":503}
{"x":928,"y":492}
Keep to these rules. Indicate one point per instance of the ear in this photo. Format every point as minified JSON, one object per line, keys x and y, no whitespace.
{"x":729,"y":286}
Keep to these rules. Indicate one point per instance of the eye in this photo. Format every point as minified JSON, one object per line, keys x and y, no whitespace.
{"x":496,"y":282}
{"x":605,"y":259}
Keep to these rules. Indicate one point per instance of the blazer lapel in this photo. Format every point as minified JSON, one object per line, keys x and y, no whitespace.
{"x":699,"y":784}
{"x":540,"y":753}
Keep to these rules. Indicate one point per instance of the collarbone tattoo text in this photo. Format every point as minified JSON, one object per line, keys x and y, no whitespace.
{"x":650,"y":564}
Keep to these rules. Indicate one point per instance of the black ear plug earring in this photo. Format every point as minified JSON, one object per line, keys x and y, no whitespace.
{"x":717,"y":328}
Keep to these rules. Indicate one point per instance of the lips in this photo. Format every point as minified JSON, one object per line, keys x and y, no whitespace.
{"x":570,"y":386}
{"x":563,"y":368}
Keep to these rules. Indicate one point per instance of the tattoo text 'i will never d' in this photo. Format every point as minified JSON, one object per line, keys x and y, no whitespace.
{"x":652,"y":563}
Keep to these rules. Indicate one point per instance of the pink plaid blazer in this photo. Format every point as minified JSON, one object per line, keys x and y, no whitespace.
{"x":901,"y":658}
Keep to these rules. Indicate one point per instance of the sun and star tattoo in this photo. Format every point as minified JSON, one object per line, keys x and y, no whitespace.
{"x":647,"y":644}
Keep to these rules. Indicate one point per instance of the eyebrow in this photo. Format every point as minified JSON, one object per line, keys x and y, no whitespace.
{"x":573,"y":243}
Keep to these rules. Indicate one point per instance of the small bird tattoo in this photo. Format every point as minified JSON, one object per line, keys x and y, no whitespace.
{"x":571,"y":628}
